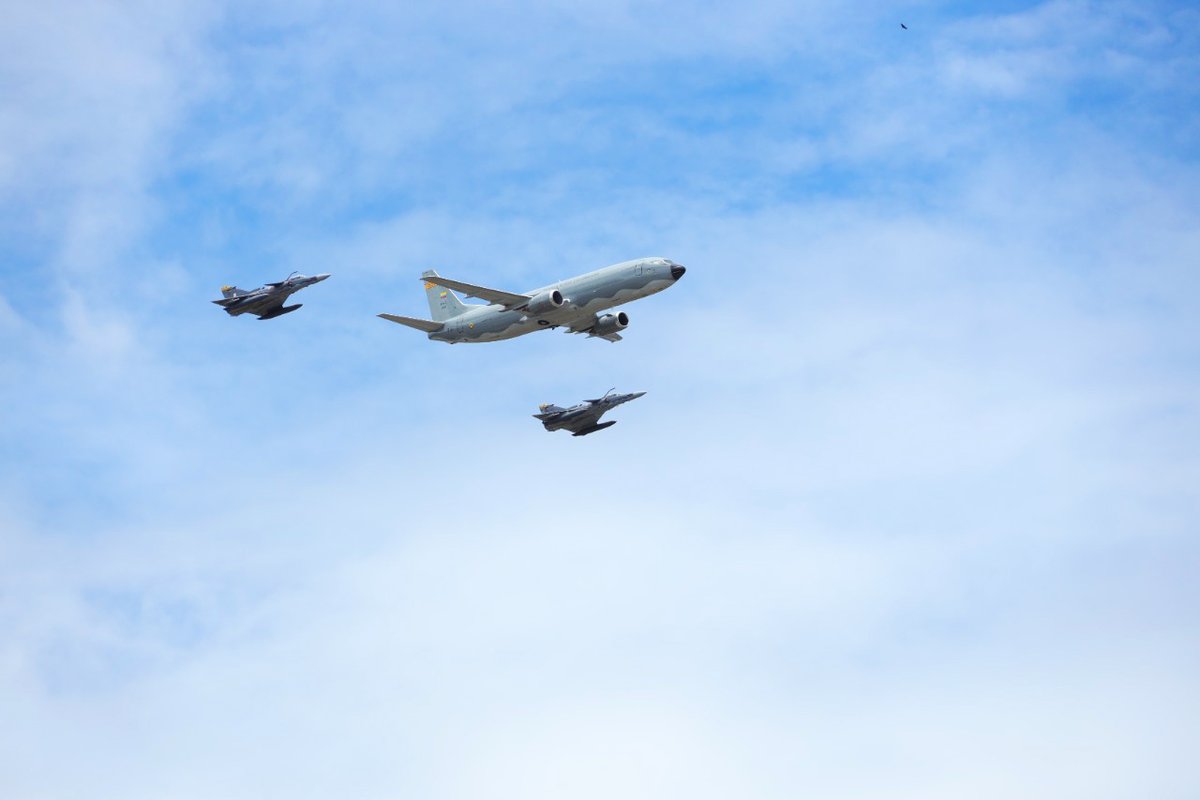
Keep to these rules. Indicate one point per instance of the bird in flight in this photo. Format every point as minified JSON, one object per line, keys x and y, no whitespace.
{"x":902,"y":25}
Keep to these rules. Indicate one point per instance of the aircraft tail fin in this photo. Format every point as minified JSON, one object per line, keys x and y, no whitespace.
{"x":443,"y":303}
{"x":232,"y":291}
{"x":547,"y":410}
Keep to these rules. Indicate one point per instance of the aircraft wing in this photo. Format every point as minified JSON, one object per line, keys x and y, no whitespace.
{"x":279,"y":296}
{"x":267,"y":303}
{"x":585,"y":420}
{"x":506,"y":299}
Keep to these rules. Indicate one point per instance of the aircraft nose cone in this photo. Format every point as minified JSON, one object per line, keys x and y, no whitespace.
{"x":321,"y":277}
{"x":677,"y":272}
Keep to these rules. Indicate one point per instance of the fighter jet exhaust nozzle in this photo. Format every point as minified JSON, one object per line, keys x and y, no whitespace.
{"x":677,"y":271}
{"x":609,"y":324}
{"x":545,"y":302}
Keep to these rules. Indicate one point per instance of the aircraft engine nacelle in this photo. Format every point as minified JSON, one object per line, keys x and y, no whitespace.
{"x":546,"y":302}
{"x":611,"y":323}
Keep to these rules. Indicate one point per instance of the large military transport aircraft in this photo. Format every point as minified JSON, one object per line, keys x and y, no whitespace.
{"x":584,"y":418}
{"x":266,"y":302}
{"x":574,"y":304}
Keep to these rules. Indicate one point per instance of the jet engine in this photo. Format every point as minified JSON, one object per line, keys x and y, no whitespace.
{"x":611,"y":323}
{"x":545,"y":302}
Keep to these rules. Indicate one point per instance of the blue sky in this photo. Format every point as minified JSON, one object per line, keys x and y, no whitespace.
{"x":909,"y":509}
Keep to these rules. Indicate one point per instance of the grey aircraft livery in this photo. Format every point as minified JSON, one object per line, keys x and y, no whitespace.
{"x":584,"y":418}
{"x":266,"y":302}
{"x":574,"y":304}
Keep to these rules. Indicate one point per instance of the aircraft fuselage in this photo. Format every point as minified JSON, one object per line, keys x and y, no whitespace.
{"x":585,"y":296}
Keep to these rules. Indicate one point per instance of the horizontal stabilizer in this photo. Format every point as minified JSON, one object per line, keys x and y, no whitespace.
{"x":429,"y":326}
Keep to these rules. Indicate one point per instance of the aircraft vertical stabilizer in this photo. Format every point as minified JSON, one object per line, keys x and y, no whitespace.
{"x":443,"y":303}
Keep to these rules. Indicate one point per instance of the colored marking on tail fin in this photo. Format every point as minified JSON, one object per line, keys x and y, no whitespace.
{"x":443,"y":303}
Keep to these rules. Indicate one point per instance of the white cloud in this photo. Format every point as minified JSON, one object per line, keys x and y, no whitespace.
{"x":96,"y":89}
{"x":670,"y":655}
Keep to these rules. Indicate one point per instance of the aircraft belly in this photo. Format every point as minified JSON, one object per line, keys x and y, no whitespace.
{"x":494,"y":327}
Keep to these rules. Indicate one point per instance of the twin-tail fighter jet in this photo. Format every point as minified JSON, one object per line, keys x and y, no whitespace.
{"x":584,"y":418}
{"x":574,"y":304}
{"x":266,"y":302}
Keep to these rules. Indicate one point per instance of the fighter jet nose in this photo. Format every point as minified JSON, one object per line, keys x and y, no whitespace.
{"x":321,"y":277}
{"x":677,"y":272}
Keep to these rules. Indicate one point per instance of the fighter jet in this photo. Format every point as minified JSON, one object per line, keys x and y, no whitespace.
{"x":574,"y":304}
{"x":267,"y":302}
{"x":584,"y":418}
